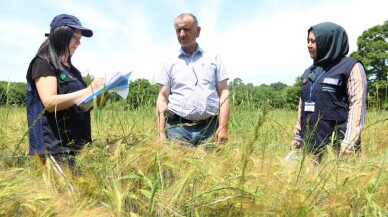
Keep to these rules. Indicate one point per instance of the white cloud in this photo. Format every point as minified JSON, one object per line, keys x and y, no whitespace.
{"x":267,"y":46}
{"x":273,"y":47}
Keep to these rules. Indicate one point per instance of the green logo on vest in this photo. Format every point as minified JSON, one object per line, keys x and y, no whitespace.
{"x":62,"y":76}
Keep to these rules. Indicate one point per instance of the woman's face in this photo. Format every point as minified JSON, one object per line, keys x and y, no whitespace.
{"x":75,"y":41}
{"x":312,"y":45}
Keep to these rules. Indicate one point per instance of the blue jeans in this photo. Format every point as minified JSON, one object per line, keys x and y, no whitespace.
{"x":191,"y":134}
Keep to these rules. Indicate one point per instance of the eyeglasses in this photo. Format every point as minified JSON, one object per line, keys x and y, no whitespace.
{"x":195,"y":75}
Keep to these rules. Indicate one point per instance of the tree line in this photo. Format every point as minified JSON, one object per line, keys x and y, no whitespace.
{"x":372,"y":52}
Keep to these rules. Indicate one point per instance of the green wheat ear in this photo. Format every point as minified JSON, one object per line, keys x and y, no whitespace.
{"x":95,"y":106}
{"x":98,"y":108}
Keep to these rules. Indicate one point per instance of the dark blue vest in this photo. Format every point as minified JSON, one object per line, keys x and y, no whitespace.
{"x":331,"y":104}
{"x":59,"y":132}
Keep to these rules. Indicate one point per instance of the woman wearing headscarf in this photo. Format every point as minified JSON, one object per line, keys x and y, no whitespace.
{"x":333,"y":94}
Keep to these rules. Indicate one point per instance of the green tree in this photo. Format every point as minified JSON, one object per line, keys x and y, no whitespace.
{"x":3,"y":92}
{"x":242,"y":94}
{"x":292,"y":94}
{"x":255,"y":96}
{"x":373,"y":53}
{"x":12,"y":93}
{"x":236,"y":82}
{"x":141,"y":93}
{"x":278,"y":86}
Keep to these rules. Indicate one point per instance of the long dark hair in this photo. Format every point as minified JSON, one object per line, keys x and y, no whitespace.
{"x":56,"y":45}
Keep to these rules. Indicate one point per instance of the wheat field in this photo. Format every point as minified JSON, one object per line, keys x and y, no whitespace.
{"x":125,"y":172}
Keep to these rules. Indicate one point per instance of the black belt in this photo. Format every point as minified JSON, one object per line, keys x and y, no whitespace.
{"x":174,"y":117}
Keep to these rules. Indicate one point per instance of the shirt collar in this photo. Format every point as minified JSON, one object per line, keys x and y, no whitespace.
{"x":198,"y":51}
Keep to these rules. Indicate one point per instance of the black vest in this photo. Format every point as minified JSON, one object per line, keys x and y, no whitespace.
{"x":59,"y":132}
{"x":331,"y":104}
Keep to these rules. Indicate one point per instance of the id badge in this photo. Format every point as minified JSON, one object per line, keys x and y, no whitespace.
{"x":309,"y":106}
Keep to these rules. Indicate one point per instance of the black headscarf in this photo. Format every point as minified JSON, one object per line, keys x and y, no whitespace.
{"x":332,"y":45}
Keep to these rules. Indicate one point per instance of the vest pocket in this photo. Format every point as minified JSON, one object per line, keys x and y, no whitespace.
{"x":334,"y":110}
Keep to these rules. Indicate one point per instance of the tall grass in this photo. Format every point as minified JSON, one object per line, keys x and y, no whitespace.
{"x":127,"y":173}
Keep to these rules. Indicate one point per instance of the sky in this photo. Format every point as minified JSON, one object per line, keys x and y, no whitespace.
{"x":259,"y":41}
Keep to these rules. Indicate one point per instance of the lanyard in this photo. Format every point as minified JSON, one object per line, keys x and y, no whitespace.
{"x":312,"y":84}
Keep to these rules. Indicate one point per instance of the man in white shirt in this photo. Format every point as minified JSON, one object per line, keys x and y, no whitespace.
{"x":193,"y":101}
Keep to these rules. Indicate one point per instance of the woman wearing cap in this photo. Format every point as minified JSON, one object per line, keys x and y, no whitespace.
{"x":58,"y":129}
{"x":333,"y":94}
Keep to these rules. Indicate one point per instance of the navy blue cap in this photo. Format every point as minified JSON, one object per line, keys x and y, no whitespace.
{"x":72,"y":21}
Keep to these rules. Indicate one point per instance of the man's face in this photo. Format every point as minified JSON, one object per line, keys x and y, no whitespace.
{"x":186,"y":31}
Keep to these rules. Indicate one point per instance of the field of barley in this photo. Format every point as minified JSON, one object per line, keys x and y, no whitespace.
{"x":125,"y":172}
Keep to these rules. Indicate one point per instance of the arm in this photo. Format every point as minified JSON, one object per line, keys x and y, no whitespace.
{"x":356,"y":88}
{"x":295,"y":143}
{"x":52,"y":101}
{"x":222,"y":130}
{"x":161,"y":107}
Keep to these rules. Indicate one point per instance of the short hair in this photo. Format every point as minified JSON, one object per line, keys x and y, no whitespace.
{"x":190,"y":15}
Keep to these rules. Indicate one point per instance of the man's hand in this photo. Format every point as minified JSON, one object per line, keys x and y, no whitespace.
{"x":161,"y":108}
{"x":162,"y":137}
{"x":221,"y":135}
